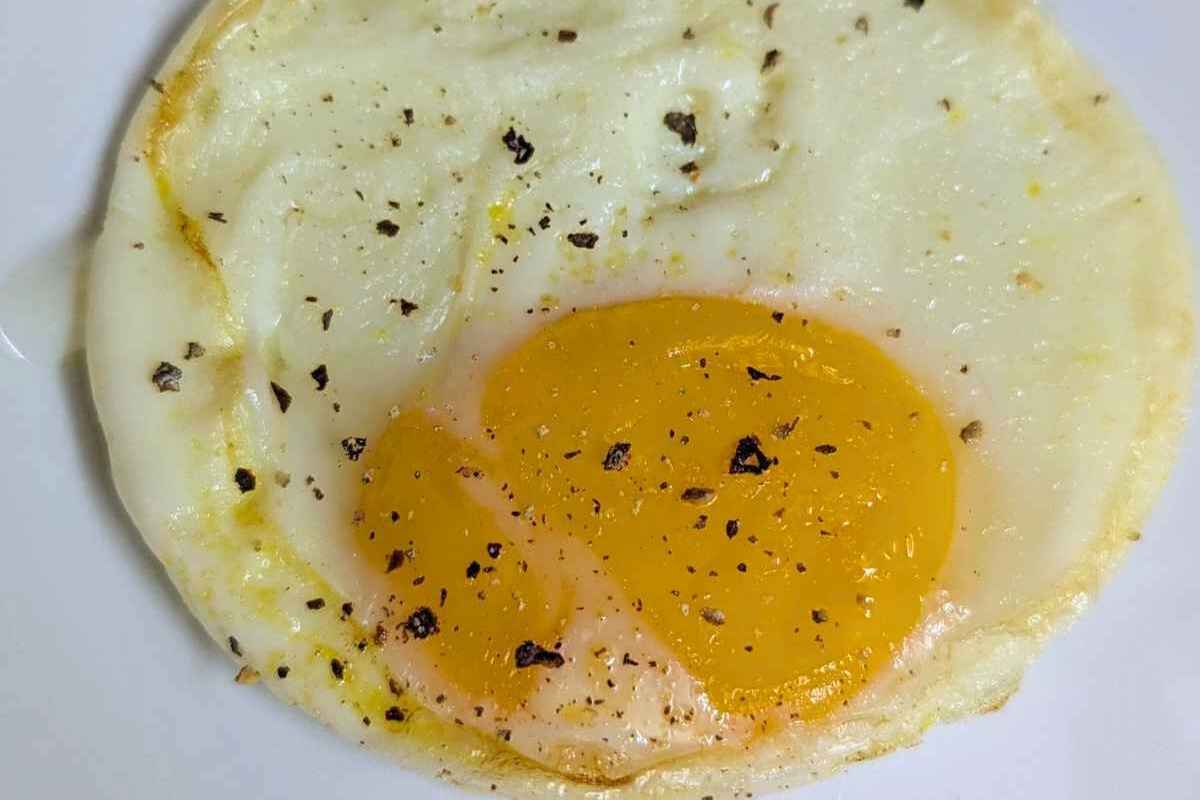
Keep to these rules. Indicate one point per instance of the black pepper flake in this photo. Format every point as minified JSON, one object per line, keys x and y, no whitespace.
{"x":354,"y":447}
{"x":493,"y":549}
{"x":770,"y":60}
{"x":194,"y":350}
{"x":769,"y":15}
{"x":863,"y":25}
{"x":689,"y":168}
{"x":784,"y":429}
{"x":394,"y":714}
{"x":326,"y":319}
{"x":585,"y":241}
{"x":749,"y":459}
{"x":321,"y":376}
{"x":731,"y":528}
{"x":395,"y":561}
{"x":422,"y":624}
{"x":713,"y":616}
{"x":387,"y":228}
{"x":337,"y":668}
{"x":544,"y":223}
{"x":825,"y":449}
{"x":316,"y":604}
{"x":893,"y":333}
{"x":689,"y":34}
{"x":245,"y":480}
{"x":408,"y":116}
{"x":571,"y":454}
{"x":234,"y":646}
{"x":697,"y":494}
{"x":282,"y":397}
{"x":567,"y":36}
{"x":529,"y":654}
{"x":759,"y":375}
{"x":407,"y":307}
{"x":282,"y":671}
{"x":217,"y":216}
{"x":701,"y":522}
{"x":682,"y":124}
{"x":473,"y":570}
{"x":167,"y":377}
{"x":617,"y":457}
{"x":820,"y":615}
{"x":777,"y":316}
{"x":915,"y":5}
{"x":972,"y":431}
{"x":518,"y":145}
{"x":347,"y":610}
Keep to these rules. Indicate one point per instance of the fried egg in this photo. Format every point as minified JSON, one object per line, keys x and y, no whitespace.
{"x":638,"y":397}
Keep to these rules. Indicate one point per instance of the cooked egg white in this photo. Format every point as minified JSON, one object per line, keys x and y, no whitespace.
{"x":648,"y":396}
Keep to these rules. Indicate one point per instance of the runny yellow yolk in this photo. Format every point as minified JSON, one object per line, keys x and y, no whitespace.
{"x":770,"y":496}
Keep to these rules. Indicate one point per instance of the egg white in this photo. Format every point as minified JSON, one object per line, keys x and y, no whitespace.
{"x":956,"y":173}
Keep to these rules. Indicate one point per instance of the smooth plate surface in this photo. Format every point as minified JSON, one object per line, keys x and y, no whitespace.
{"x":108,"y":689}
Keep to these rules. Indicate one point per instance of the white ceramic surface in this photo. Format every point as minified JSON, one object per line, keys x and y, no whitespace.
{"x":109,"y":690}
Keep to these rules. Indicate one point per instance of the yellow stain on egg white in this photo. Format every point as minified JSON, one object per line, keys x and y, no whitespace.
{"x":500,"y":215}
{"x":500,"y":224}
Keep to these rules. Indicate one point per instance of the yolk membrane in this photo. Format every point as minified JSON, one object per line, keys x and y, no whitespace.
{"x":772,"y":495}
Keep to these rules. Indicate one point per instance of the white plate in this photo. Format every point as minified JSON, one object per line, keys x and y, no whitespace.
{"x":109,"y":690}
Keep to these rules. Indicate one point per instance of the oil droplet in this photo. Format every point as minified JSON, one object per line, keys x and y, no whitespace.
{"x":41,"y":304}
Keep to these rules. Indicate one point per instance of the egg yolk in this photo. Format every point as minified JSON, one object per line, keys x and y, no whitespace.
{"x":772,"y":496}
